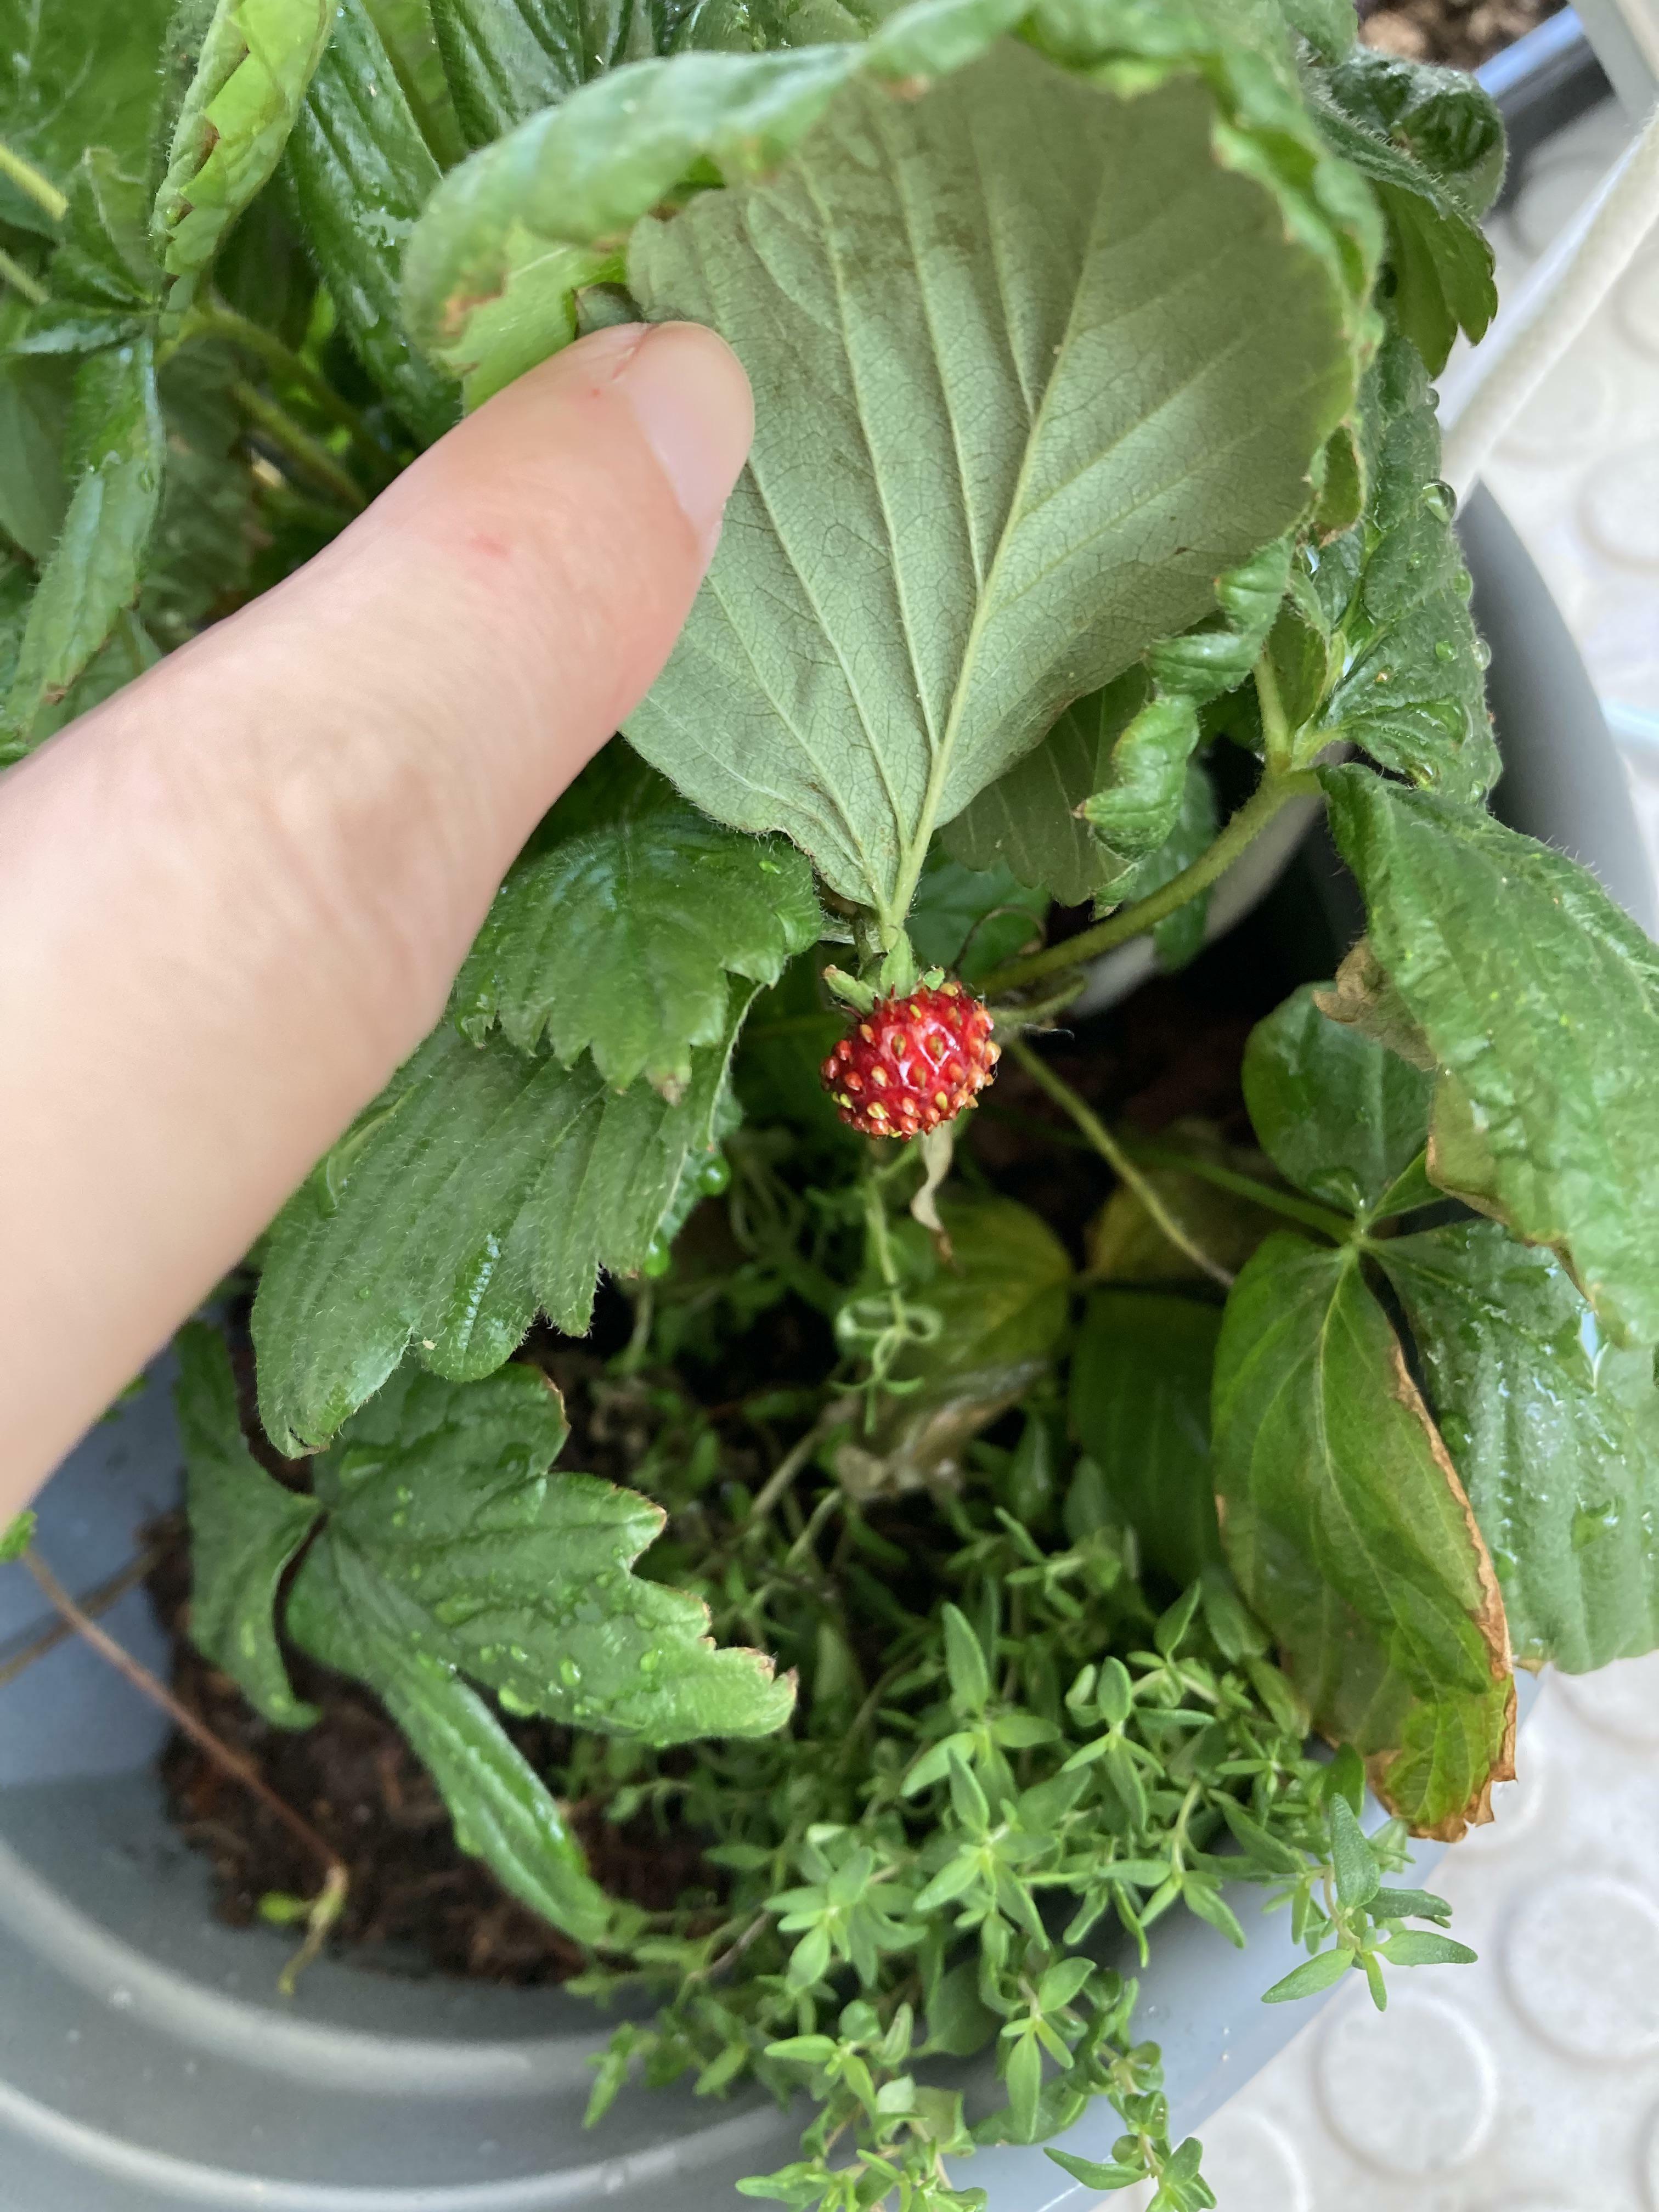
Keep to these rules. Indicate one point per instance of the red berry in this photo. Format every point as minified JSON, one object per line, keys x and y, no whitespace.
{"x":913,"y":1062}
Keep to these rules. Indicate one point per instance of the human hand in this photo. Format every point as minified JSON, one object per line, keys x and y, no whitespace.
{"x":233,"y":898}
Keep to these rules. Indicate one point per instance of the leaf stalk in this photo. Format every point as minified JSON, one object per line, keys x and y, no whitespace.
{"x":1241,"y":830}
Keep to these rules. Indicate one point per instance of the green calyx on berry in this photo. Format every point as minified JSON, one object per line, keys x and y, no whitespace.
{"x":912,"y":1060}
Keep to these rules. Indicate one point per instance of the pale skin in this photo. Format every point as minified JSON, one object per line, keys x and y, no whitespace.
{"x":233,"y":899}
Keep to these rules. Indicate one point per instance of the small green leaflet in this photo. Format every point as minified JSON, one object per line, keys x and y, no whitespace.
{"x":1351,"y":1540}
{"x":1179,"y":937}
{"x":244,"y":1530}
{"x":356,"y":144}
{"x":1392,"y":595}
{"x":1555,"y":1433}
{"x":1540,"y":1001}
{"x":854,"y":672}
{"x":617,"y":930}
{"x":481,"y":1186}
{"x":1342,"y":1118}
{"x":1029,"y":820}
{"x":34,"y":404}
{"x":15,"y":1537}
{"x":347,"y":1616}
{"x":103,"y":281}
{"x":1140,"y":1406}
{"x":522,"y":1578}
{"x":256,"y":60}
{"x":1138,"y":804}
{"x":114,"y":447}
{"x":1432,"y":143}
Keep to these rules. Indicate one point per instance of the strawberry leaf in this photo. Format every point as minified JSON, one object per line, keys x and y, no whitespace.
{"x":617,"y":931}
{"x":1351,"y":1539}
{"x":1339,"y":1116}
{"x":244,"y":1530}
{"x":481,"y":1187}
{"x":522,"y":1579}
{"x":1555,"y":1433}
{"x":1540,"y":1001}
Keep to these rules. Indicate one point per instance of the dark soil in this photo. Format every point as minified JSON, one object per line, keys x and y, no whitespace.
{"x":416,"y":1902}
{"x":1461,"y":32}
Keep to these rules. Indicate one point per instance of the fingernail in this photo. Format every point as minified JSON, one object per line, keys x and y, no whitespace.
{"x":691,"y":399}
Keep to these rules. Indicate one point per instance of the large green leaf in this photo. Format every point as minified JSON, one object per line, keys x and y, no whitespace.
{"x":1140,"y":1406}
{"x":480,"y":1186}
{"x":1345,"y":1524}
{"x":345,"y":1614}
{"x":1395,"y":591}
{"x":1339,"y":1115}
{"x":115,"y":452}
{"x":73,"y":75}
{"x":1027,"y":821}
{"x":357,"y":147}
{"x":1148,"y":354}
{"x":521,"y":1578}
{"x":408,"y":34}
{"x":1540,"y":1001}
{"x":256,"y":59}
{"x":1432,"y":142}
{"x":245,"y":1530}
{"x":34,"y":404}
{"x":617,"y":931}
{"x":1554,"y":1431}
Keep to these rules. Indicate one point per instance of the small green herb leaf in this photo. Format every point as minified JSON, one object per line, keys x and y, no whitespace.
{"x":1339,"y":1116}
{"x":616,"y":932}
{"x":1322,"y":1971}
{"x":1350,"y":1537}
{"x":1555,"y":1433}
{"x":16,"y":1538}
{"x":257,"y":58}
{"x":481,"y":1186}
{"x":1540,"y":1001}
{"x":244,"y":1530}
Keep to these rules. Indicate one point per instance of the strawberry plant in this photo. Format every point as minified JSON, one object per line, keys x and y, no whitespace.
{"x":1093,"y":517}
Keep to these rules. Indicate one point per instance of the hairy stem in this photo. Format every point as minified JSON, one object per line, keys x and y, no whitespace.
{"x":296,"y":444}
{"x":1307,"y":1210}
{"x":30,"y":182}
{"x":1272,"y":794}
{"x":218,"y":319}
{"x":325,"y":1906}
{"x":1275,"y":727}
{"x":21,"y":281}
{"x":1117,"y":1159}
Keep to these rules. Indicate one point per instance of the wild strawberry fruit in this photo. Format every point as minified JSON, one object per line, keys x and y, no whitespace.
{"x":914,"y":1060}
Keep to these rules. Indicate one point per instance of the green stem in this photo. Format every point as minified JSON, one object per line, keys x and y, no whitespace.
{"x":1116,"y":1159}
{"x":30,"y":182}
{"x":1272,"y":794}
{"x":218,"y":319}
{"x":307,"y":453}
{"x":1275,"y":725}
{"x":20,"y":279}
{"x":1310,"y":1214}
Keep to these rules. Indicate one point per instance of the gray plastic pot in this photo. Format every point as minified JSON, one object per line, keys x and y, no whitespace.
{"x":146,"y":2060}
